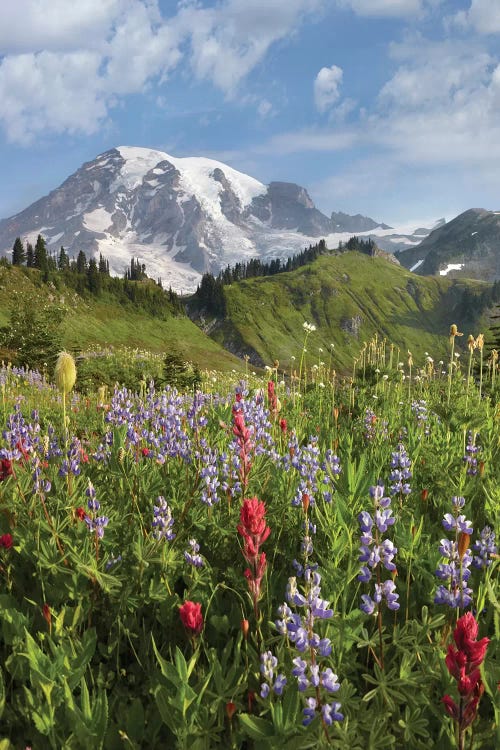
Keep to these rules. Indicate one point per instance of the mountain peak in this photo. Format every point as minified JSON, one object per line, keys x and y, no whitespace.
{"x":181,"y":216}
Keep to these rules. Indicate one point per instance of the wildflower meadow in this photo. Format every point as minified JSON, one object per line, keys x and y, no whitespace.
{"x":294,"y":560}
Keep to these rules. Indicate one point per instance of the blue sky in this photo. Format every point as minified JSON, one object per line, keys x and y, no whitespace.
{"x":390,"y":108}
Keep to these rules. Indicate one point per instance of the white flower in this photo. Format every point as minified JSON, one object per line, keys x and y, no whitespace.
{"x":320,"y":350}
{"x":321,"y":385}
{"x":309,"y":327}
{"x":385,"y":377}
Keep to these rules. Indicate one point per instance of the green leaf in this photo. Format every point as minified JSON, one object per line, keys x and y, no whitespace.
{"x":181,"y":665}
{"x":256,"y":728}
{"x":100,"y":717}
{"x":85,"y":701}
{"x":167,"y":713}
{"x":168,"y":670}
{"x":2,"y":693}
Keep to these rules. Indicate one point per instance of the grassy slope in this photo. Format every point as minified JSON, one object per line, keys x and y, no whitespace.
{"x":95,"y":322}
{"x":415,"y":313}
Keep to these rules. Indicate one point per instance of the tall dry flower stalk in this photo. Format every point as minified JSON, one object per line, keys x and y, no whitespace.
{"x":65,"y":377}
{"x":480,"y":345}
{"x":471,"y":345}
{"x":454,"y":332}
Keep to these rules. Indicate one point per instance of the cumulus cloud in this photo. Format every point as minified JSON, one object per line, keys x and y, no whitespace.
{"x":67,"y":68}
{"x":326,"y":87}
{"x":483,"y":16}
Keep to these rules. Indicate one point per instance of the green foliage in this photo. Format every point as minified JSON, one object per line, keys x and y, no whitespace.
{"x":34,"y":332}
{"x":180,"y":374}
{"x":92,"y":649}
{"x":18,"y":254}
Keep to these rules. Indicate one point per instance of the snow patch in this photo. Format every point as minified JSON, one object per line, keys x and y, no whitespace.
{"x":451,"y":267}
{"x":417,"y":265}
{"x":196,"y":175}
{"x":97,"y":220}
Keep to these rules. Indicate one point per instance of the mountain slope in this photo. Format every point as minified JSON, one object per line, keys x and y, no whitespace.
{"x":104,"y":321}
{"x":349,"y":297}
{"x":468,"y":246}
{"x":180,"y":216}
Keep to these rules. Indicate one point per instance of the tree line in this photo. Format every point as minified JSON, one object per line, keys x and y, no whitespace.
{"x":210,"y":292}
{"x":89,"y":275}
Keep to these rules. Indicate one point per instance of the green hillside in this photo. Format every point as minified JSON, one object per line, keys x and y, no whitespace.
{"x":348,"y":297}
{"x":89,"y":321}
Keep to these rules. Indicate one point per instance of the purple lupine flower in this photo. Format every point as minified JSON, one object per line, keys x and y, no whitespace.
{"x":162,"y":520}
{"x":309,"y":711}
{"x":400,"y":472}
{"x":485,"y":548}
{"x":39,"y":483}
{"x":330,"y":713}
{"x":191,"y":555}
{"x":419,"y":409}
{"x":455,"y":592}
{"x":306,"y":462}
{"x":300,"y":631}
{"x":268,"y":664}
{"x":92,"y":503}
{"x":470,"y":458}
{"x":97,"y":525}
{"x":375,"y":551}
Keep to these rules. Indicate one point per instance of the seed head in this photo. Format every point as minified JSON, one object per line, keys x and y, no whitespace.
{"x":65,"y":372}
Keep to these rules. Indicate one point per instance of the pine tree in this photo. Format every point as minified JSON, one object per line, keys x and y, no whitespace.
{"x":63,"y":262}
{"x":30,"y":256}
{"x":18,"y":254}
{"x":93,"y":279}
{"x":81,"y":262}
{"x":103,"y":265}
{"x":40,"y":258}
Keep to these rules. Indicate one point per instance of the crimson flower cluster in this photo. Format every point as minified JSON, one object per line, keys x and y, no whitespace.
{"x":254,"y":530}
{"x":191,"y":617}
{"x":6,"y":541}
{"x":463,"y":664}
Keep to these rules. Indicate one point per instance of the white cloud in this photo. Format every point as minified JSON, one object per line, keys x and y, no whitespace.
{"x":64,"y":66}
{"x":326,"y":87}
{"x":264,"y":108}
{"x":483,"y":16}
{"x":55,"y":25}
{"x":229,"y":40}
{"x":437,"y":115}
{"x":381,"y":8}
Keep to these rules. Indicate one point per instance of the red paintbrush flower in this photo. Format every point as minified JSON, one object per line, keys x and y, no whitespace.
{"x":462,"y":663}
{"x":6,"y":541}
{"x":192,"y":617}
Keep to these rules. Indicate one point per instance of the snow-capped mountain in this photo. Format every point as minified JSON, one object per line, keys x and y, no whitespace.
{"x":181,"y":216}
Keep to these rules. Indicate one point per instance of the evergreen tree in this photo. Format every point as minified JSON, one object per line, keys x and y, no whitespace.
{"x":30,"y":255}
{"x":81,"y":262}
{"x":93,"y":279}
{"x":103,"y":265}
{"x":18,"y":254}
{"x":63,"y":262}
{"x":40,"y":258}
